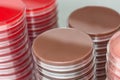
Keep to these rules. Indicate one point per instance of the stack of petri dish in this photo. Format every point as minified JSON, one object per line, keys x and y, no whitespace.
{"x":15,"y":57}
{"x":41,"y":16}
{"x":113,"y":58}
{"x":100,"y":23}
{"x":63,"y":54}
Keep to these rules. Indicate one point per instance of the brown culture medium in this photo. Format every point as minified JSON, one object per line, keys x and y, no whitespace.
{"x":62,"y":46}
{"x":95,"y":20}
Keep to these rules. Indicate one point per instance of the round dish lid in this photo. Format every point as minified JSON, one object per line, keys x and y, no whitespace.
{"x":10,"y":10}
{"x":94,"y":20}
{"x":62,"y":46}
{"x":37,"y":4}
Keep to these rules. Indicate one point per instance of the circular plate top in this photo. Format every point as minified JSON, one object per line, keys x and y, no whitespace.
{"x":37,"y":4}
{"x":10,"y":10}
{"x":114,"y":45}
{"x":95,"y":20}
{"x":62,"y":46}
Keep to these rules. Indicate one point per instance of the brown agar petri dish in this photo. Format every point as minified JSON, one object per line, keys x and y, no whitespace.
{"x":63,"y":54}
{"x":98,"y":22}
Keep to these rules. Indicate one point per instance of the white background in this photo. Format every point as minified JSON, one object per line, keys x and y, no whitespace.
{"x":65,"y":7}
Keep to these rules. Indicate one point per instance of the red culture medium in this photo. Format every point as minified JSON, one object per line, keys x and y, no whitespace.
{"x":40,"y":14}
{"x":15,"y":55}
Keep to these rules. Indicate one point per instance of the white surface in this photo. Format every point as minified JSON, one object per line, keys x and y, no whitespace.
{"x":65,"y":7}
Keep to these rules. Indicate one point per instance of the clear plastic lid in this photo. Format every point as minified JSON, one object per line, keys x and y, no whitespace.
{"x":33,"y":5}
{"x":83,"y":46}
{"x":11,"y":27}
{"x":97,"y":20}
{"x":10,"y":11}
